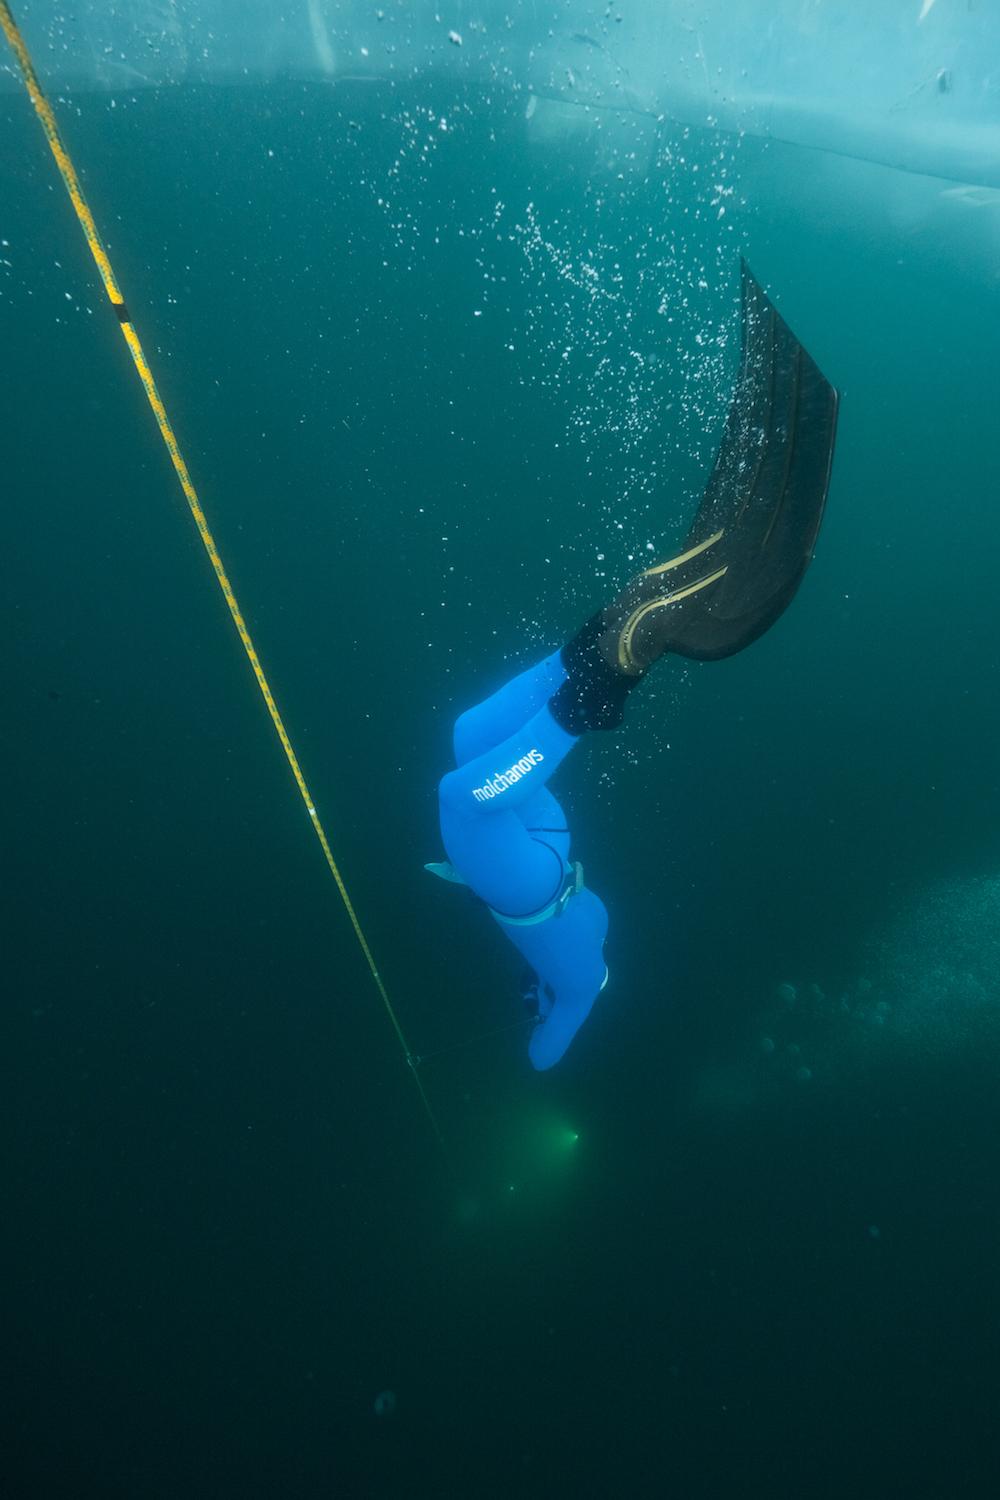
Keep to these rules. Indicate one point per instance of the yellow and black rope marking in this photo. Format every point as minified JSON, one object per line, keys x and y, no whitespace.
{"x":68,"y":173}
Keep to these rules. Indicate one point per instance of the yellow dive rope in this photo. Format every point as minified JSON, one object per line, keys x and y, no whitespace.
{"x":67,"y":172}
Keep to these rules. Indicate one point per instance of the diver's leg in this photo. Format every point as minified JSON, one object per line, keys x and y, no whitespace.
{"x":511,"y":771}
{"x":514,"y":861}
{"x":498,"y":716}
{"x":505,"y":865}
{"x":503,"y":831}
{"x":545,"y":820}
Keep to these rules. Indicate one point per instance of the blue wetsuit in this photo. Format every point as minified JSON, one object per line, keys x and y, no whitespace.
{"x":506,"y":837}
{"x":749,"y":544}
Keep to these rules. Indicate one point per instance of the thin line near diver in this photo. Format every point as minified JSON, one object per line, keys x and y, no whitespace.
{"x":47,"y":119}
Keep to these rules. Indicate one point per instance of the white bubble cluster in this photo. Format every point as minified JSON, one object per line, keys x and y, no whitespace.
{"x":626,"y":322}
{"x":937,"y":960}
{"x":931,"y":993}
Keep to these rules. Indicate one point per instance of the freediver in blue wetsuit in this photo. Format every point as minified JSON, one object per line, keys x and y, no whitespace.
{"x":742,"y":561}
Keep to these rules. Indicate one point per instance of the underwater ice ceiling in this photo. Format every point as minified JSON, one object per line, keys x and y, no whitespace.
{"x":914,"y":84}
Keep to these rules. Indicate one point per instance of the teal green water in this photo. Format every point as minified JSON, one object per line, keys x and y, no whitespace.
{"x":439,"y":389}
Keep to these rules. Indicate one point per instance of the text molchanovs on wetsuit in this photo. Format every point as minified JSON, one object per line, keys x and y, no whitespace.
{"x":504,"y":779}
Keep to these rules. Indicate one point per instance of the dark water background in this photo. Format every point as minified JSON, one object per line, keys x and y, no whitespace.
{"x":227,"y":1224}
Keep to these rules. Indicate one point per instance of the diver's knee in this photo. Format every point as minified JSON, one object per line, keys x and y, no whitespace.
{"x":464,"y":737}
{"x":451,"y":792}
